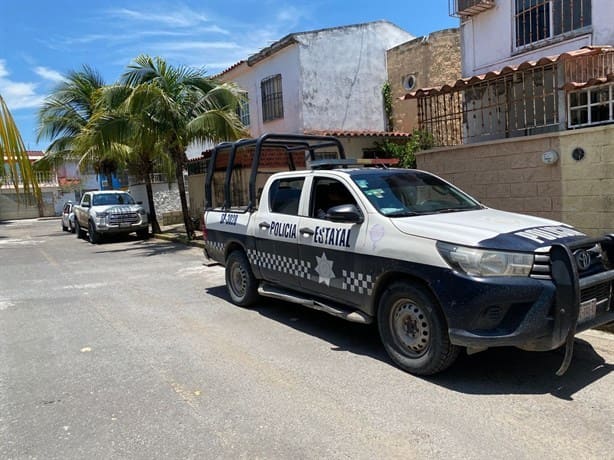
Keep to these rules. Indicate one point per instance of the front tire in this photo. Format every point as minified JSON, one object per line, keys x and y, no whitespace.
{"x":414,"y":331}
{"x":93,"y":235}
{"x":143,"y":234}
{"x":80,"y":232}
{"x":241,"y":283}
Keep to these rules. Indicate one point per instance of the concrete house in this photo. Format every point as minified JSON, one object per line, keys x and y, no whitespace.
{"x":325,"y":81}
{"x":529,"y":127}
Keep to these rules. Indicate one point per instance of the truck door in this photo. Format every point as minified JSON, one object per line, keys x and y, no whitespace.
{"x":329,"y":248}
{"x":277,"y":233}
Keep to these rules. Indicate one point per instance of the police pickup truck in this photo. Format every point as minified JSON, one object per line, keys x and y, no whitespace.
{"x":433,"y":267}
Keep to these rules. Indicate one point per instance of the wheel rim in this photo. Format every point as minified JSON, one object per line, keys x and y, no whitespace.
{"x":238,"y":280}
{"x":410,"y":327}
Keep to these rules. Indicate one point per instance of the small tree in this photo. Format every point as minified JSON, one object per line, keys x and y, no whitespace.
{"x":405,"y":152}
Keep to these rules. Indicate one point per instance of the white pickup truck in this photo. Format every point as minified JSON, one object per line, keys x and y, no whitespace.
{"x":437,"y":270}
{"x":109,"y":212}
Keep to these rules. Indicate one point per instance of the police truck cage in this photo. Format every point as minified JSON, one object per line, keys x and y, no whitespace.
{"x":305,"y":146}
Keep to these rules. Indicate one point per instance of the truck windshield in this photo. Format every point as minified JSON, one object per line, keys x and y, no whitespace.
{"x":112,"y":198}
{"x":409,"y":193}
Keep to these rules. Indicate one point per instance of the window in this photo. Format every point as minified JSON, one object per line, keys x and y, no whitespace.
{"x":328,"y":193}
{"x":285,"y":195}
{"x":272,"y":99}
{"x":538,"y":20}
{"x":591,"y":106}
{"x":243,"y":110}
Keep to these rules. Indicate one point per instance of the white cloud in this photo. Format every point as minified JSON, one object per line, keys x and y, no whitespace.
{"x":180,"y":17}
{"x":3,"y":71}
{"x":49,"y":74}
{"x":17,"y":95}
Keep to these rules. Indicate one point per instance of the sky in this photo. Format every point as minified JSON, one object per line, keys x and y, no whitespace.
{"x":43,"y":40}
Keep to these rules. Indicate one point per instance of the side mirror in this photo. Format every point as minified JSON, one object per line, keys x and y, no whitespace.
{"x":85,"y":205}
{"x":139,"y":202}
{"x":345,"y":213}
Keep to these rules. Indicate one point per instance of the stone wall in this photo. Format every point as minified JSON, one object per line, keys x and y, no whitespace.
{"x":433,"y":60}
{"x":166,"y":198}
{"x":509,"y":174}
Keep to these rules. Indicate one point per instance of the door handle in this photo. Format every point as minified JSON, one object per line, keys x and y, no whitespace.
{"x":264,"y":225}
{"x":306,"y":231}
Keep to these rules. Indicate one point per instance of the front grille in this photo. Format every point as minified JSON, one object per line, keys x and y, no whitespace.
{"x":124,"y":218}
{"x":542,"y":269}
{"x":600,"y":292}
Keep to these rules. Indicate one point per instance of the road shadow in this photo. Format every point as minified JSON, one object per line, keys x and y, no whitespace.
{"x":148,"y":248}
{"x":492,"y":372}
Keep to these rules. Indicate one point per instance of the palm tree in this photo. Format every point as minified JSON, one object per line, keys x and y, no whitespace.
{"x":16,"y":164}
{"x":65,"y":114}
{"x":183,"y":105}
{"x":128,"y":138}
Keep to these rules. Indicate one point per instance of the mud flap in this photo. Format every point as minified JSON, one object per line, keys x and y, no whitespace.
{"x":565,"y":277}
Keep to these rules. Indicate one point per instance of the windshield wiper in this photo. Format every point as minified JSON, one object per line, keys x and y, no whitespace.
{"x":403,"y":214}
{"x":441,"y":211}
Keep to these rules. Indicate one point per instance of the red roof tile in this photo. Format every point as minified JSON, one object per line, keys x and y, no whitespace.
{"x":463,"y":82}
{"x":342,"y":133}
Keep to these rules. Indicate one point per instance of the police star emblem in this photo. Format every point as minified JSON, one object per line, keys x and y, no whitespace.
{"x":324,"y":269}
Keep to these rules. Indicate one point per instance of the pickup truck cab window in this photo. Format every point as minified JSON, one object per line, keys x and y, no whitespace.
{"x":326,"y":194}
{"x":285,"y":194}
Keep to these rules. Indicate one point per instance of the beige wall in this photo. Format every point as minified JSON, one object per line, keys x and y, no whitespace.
{"x":510,"y":175}
{"x":434,"y":59}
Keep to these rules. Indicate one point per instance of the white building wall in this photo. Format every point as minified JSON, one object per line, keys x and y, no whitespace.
{"x":331,"y":79}
{"x":488,"y":38}
{"x":284,"y":62}
{"x":342,"y":73}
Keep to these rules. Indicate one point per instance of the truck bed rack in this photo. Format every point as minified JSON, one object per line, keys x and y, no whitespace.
{"x":290,"y":143}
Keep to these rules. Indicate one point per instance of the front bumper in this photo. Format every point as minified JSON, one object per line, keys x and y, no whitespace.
{"x":531,"y":314}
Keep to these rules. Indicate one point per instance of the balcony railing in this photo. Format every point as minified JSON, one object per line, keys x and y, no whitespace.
{"x":44,"y":179}
{"x":466,"y":8}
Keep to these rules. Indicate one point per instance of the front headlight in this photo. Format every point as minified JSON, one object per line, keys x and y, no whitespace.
{"x":484,"y":262}
{"x":101,"y":218}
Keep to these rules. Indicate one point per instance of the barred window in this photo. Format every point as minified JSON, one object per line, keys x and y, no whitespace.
{"x":591,"y":106}
{"x":243,"y":110}
{"x":538,"y":20}
{"x":272,"y":98}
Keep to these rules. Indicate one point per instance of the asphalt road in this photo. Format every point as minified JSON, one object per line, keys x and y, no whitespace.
{"x":130,"y":349}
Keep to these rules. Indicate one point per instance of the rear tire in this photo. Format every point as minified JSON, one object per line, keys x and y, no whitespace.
{"x":241,"y":283}
{"x":414,"y":331}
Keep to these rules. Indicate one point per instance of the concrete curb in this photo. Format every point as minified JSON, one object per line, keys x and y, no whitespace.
{"x":177,"y":238}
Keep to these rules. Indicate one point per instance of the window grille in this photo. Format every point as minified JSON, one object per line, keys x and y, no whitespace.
{"x":516,"y":104}
{"x":243,"y":110}
{"x":272,"y":98}
{"x":538,"y":20}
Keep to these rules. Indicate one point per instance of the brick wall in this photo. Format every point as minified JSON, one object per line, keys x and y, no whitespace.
{"x":434,"y":60}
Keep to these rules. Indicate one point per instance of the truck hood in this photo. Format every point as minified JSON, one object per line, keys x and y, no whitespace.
{"x":489,"y":228}
{"x":117,"y":208}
